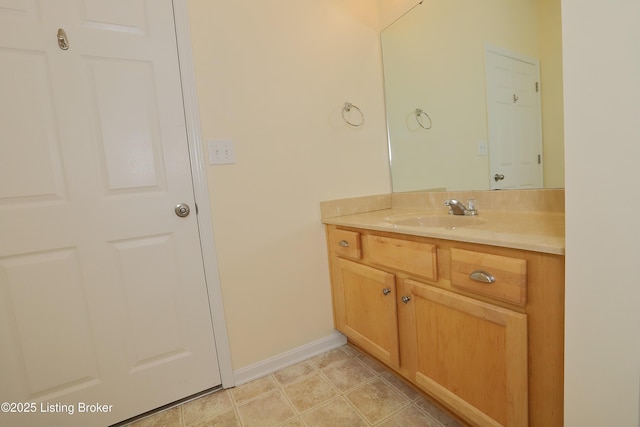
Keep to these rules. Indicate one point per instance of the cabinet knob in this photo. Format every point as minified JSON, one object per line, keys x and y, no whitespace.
{"x":482,"y":276}
{"x":386,"y":291}
{"x":343,"y":243}
{"x":406,"y":299}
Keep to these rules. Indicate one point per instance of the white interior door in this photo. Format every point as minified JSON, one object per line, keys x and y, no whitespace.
{"x":514,"y":120}
{"x":102,"y":290}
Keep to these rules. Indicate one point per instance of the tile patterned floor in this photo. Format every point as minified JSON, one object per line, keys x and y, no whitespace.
{"x":343,"y":387}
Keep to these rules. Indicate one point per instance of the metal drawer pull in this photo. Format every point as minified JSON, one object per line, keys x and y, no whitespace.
{"x":406,"y":299}
{"x":343,"y":243}
{"x":386,"y":291}
{"x":482,"y":276}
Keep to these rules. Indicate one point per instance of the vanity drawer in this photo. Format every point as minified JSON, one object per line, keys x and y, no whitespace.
{"x":411,"y":257}
{"x":494,"y":276}
{"x":345,"y":243}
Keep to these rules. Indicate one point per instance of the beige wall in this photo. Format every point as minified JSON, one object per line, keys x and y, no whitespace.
{"x":602,"y":134}
{"x":550,"y":55}
{"x":273,"y":76}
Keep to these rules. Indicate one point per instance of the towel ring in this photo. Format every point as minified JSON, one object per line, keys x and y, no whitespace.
{"x":419,"y":113}
{"x":346,"y":109}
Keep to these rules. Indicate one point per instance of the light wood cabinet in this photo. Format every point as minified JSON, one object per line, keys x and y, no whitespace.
{"x":491,"y":353}
{"x":472,"y":355}
{"x":366,"y":309}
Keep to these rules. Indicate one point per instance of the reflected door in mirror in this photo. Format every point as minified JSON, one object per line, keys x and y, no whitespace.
{"x":513,"y":114}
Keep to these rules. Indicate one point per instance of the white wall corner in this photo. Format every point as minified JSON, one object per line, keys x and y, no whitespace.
{"x":289,"y":358}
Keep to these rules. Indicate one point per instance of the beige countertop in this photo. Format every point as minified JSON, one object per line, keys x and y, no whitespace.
{"x":533,"y":231}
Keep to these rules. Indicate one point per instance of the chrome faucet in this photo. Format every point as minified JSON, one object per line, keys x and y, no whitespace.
{"x":459,"y":208}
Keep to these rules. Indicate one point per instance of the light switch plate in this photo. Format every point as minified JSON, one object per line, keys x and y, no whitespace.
{"x":483,"y":150}
{"x":221,"y":152}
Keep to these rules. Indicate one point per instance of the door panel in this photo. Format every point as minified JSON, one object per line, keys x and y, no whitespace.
{"x":148,"y":266}
{"x":116,"y":15}
{"x":24,"y":10}
{"x":103,"y":295}
{"x":127,"y":120}
{"x":29,"y":156}
{"x":42,"y":317}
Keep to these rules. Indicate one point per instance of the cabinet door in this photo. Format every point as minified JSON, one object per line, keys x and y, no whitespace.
{"x":472,"y":355}
{"x":366,"y":309}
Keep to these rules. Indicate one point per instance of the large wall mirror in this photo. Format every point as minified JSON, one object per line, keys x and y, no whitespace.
{"x":473,"y":91}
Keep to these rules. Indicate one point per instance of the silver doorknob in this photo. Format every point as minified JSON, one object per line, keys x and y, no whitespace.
{"x":498,"y":177}
{"x":386,"y":291}
{"x":406,"y":299}
{"x":182,"y":210}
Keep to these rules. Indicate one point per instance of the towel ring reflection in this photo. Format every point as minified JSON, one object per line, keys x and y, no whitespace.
{"x":347,"y":109}
{"x":419,"y":113}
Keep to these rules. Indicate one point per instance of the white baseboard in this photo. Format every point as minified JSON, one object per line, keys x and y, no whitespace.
{"x":268,"y":366}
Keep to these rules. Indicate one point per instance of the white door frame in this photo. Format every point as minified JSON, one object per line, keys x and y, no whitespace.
{"x":201,"y":192}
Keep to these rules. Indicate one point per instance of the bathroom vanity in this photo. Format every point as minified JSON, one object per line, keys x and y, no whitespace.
{"x":470,"y":310}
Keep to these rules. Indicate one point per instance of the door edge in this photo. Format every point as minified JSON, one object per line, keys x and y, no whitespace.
{"x":201,"y":192}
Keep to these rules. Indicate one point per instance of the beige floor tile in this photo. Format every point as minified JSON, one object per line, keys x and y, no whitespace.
{"x":292,"y":423}
{"x":335,"y":413}
{"x":347,"y":374}
{"x":310,"y":392}
{"x":351,"y":350}
{"x":329,"y":358}
{"x":169,"y":418}
{"x":409,"y":417}
{"x":226,"y":419}
{"x":436,"y":412}
{"x":269,"y":409}
{"x":405,"y":389}
{"x":343,"y":387}
{"x":206,"y":407}
{"x":294,"y":373}
{"x":376,"y":400}
{"x":253,"y":389}
{"x":372,"y":364}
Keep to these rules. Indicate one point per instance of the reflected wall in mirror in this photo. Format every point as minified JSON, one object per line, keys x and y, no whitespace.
{"x":434,"y":60}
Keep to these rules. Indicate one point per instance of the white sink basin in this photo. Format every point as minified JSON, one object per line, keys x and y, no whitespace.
{"x":445,"y":221}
